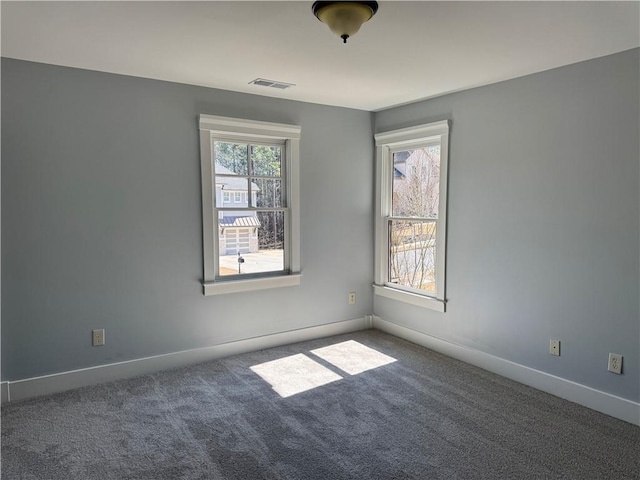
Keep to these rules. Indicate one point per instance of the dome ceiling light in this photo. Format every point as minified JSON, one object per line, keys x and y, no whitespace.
{"x":344,"y":18}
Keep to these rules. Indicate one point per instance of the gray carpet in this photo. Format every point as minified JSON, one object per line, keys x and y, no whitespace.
{"x":423,"y":416}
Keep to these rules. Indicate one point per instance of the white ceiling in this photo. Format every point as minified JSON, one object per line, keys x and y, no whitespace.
{"x":408,"y":51}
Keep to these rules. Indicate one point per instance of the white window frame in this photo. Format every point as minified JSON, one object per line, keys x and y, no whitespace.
{"x":386,"y":144}
{"x":226,"y":197}
{"x":254,"y":131}
{"x":237,"y":197}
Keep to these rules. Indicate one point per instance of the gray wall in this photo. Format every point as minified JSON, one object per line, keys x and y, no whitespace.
{"x":102,"y":226}
{"x":544,"y":214}
{"x":101,"y":220}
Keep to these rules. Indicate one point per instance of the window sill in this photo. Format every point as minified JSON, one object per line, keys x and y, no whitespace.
{"x":412,"y":298}
{"x":235,"y":286}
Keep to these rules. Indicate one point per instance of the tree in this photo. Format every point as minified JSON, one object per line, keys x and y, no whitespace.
{"x":266,"y":161}
{"x":413,"y":241}
{"x":232,"y":156}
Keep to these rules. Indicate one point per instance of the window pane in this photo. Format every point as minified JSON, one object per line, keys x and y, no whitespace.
{"x":231,"y":158}
{"x":268,"y":192}
{"x":266,"y":160}
{"x":257,"y":238}
{"x":271,"y":230}
{"x":416,"y":181}
{"x":412,"y":255}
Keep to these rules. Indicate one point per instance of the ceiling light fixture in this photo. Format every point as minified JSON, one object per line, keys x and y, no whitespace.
{"x":344,"y":18}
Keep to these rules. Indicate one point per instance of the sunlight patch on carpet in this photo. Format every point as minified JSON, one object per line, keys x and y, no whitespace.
{"x":295,"y":374}
{"x":353,"y":357}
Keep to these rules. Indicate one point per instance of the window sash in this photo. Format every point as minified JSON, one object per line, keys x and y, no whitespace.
{"x":399,"y":286}
{"x":244,"y":197}
{"x":247,"y":205}
{"x":285,"y":270}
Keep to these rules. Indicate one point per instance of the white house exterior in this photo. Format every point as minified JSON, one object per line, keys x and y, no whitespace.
{"x":238,"y":231}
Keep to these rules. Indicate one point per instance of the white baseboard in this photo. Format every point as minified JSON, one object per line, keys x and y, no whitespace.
{"x":32,"y":387}
{"x":4,"y":392}
{"x":617,"y":407}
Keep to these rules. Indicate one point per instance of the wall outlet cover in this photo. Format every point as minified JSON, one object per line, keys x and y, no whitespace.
{"x":615,"y":363}
{"x":97,"y":337}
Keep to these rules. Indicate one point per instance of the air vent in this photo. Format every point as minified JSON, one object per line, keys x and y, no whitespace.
{"x":263,"y":82}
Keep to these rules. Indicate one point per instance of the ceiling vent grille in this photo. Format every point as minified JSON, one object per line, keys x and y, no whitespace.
{"x":263,"y":82}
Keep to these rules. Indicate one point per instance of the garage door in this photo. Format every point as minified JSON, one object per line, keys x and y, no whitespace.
{"x":237,"y":240}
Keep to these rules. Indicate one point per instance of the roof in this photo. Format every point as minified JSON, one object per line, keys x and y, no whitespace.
{"x":239,"y":222}
{"x":230,"y":183}
{"x":400,"y":164}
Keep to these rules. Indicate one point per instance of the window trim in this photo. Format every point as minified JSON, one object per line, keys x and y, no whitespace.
{"x":256,"y":131}
{"x":386,"y":144}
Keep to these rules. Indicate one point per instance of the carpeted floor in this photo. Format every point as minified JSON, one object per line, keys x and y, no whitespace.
{"x":375,"y":407}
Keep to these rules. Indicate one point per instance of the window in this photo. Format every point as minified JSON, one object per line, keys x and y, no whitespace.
{"x":252,"y":243}
{"x":226,"y":197}
{"x":411,"y":206}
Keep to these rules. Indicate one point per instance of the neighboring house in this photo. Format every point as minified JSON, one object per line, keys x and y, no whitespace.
{"x":238,"y":231}
{"x":400,"y":164}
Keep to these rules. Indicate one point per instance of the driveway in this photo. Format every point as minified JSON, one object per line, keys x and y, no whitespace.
{"x":262,"y":261}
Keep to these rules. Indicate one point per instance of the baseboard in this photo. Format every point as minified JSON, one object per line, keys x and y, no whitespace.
{"x":603,"y":402}
{"x":4,"y":392}
{"x":32,"y":387}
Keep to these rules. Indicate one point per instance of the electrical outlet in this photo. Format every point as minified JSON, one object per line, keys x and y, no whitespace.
{"x":97,"y":337}
{"x":554,"y":347}
{"x":352,"y":298}
{"x":615,"y":363}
